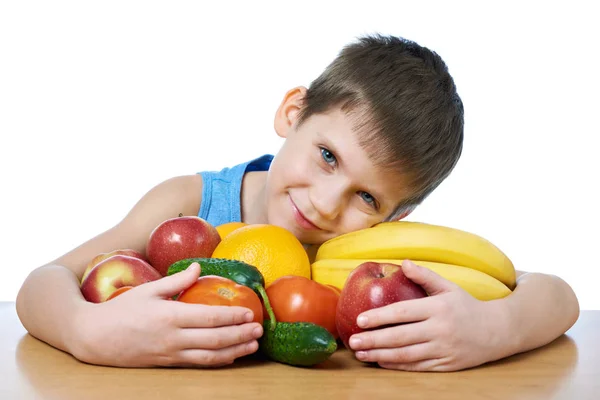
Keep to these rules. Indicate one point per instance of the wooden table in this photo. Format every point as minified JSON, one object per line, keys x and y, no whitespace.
{"x":568,"y":368}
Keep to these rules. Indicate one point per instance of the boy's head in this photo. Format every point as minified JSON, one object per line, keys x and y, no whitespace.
{"x":403,"y":112}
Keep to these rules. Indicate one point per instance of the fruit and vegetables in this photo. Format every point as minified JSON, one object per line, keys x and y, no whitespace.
{"x":294,"y":343}
{"x":372,"y":285}
{"x":468,"y":260}
{"x":178,"y":238}
{"x":218,"y":291}
{"x":115,"y":272}
{"x":476,"y":283}
{"x":103,"y":256}
{"x":302,"y":344}
{"x":303,"y":313}
{"x":299,"y":299}
{"x":238,"y":271}
{"x":118,"y":292}
{"x":274,"y":250}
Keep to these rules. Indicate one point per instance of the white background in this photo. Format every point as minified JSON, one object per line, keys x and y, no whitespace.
{"x":100,"y":101}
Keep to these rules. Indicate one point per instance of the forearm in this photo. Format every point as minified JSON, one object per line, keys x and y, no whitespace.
{"x":541,"y":308}
{"x":47,"y":303}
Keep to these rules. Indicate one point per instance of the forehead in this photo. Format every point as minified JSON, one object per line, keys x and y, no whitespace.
{"x":337,"y":131}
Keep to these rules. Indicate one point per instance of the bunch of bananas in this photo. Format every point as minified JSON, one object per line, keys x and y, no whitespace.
{"x":470,"y":261}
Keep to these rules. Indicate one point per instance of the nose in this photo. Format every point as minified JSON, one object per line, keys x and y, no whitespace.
{"x":328,"y":199}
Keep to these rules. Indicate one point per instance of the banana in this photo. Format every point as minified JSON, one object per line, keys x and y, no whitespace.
{"x":420,"y":241}
{"x":477,"y":284}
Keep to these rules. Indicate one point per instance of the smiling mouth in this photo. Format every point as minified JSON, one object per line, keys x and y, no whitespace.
{"x":301,"y":219}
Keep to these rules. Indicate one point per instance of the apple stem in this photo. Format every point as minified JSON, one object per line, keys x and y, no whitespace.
{"x":263,"y":294}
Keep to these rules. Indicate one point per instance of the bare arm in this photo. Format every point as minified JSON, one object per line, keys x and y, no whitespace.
{"x":451,"y":330}
{"x":50,"y":304}
{"x":541,"y":308}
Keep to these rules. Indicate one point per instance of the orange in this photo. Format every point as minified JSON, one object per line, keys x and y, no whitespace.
{"x":275,"y":251}
{"x":227,"y":228}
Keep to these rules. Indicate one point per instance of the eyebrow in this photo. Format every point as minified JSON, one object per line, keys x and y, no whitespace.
{"x":333,"y":148}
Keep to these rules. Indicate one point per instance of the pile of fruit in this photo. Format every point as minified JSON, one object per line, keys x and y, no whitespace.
{"x":261,"y":267}
{"x":470,"y":261}
{"x":304,"y":308}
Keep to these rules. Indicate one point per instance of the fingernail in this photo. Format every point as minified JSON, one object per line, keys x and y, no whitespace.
{"x":355,"y":342}
{"x":361,"y":355}
{"x":362,"y":321}
{"x":257,"y":332}
{"x":248,"y":316}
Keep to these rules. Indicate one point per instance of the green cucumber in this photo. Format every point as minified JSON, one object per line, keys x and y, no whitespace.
{"x":238,"y":271}
{"x":297,"y":343}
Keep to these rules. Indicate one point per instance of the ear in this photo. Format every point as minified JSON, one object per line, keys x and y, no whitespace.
{"x":287,"y":113}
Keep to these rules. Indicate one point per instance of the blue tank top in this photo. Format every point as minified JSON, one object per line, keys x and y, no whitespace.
{"x":221,"y":191}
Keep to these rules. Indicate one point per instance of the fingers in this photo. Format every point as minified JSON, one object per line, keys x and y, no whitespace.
{"x":216,"y":357}
{"x":431,"y":282}
{"x":396,"y":336}
{"x":400,"y":355}
{"x":172,"y":285}
{"x":396,"y":313}
{"x":218,"y":338}
{"x":189,"y":315}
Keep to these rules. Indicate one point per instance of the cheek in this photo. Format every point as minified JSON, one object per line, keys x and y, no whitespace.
{"x":299,"y":173}
{"x":279,"y":182}
{"x":355,"y":220}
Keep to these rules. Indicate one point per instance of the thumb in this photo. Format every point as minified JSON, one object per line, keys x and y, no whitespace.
{"x":171,"y":285}
{"x":431,"y":282}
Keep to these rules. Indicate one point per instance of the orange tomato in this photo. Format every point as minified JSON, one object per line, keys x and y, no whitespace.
{"x":119,"y":291}
{"x":299,"y":299}
{"x":218,"y":291}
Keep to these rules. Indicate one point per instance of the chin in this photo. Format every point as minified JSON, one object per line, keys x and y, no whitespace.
{"x":303,"y":236}
{"x":278,"y":219}
{"x":317,"y":238}
{"x":300,"y":234}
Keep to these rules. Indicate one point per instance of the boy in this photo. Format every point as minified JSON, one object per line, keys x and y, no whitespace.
{"x":367,"y":142}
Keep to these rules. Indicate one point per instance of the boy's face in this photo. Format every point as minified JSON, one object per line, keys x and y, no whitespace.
{"x":322,"y":184}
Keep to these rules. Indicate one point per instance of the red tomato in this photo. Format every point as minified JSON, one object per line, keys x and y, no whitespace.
{"x":299,"y":299}
{"x":218,"y":291}
{"x":337,"y":289}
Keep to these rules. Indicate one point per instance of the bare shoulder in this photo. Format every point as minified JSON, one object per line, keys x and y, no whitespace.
{"x":168,"y":199}
{"x":181,"y":193}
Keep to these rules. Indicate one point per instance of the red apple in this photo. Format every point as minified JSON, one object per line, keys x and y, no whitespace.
{"x":104,"y":256}
{"x":371,"y":285}
{"x":114,"y":273}
{"x":178,"y":238}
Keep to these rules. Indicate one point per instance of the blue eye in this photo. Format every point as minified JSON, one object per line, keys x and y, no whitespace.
{"x":370,"y":200}
{"x":367,"y":197}
{"x":328,"y":156}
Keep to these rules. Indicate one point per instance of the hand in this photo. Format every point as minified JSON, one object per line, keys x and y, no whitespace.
{"x":447,"y":331}
{"x":143,"y":328}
